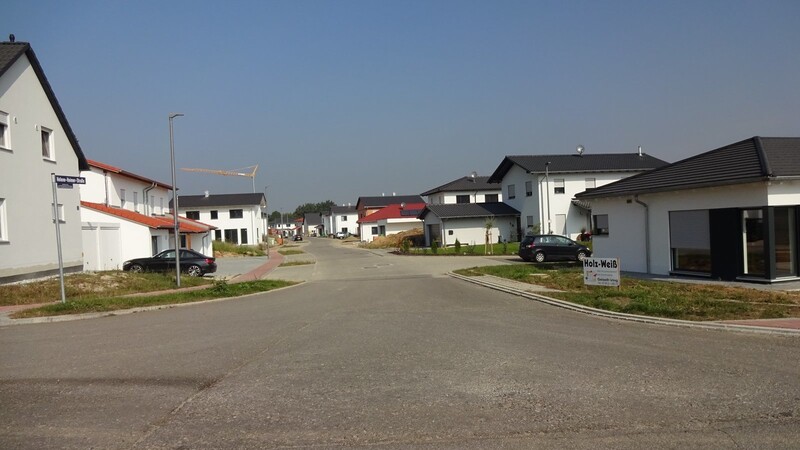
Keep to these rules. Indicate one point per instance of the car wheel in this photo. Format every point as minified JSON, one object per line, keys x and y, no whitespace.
{"x":582,"y":256}
{"x":539,"y":257}
{"x":136,"y":268}
{"x":194,"y":271}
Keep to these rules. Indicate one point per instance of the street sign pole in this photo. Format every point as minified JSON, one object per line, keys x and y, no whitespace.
{"x":58,"y":237}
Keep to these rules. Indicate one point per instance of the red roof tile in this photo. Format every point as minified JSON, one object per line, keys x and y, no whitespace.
{"x":394,"y":211}
{"x":167,"y":222}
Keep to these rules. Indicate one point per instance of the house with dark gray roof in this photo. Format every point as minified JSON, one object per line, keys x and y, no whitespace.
{"x":238,"y":218}
{"x":471,"y":189}
{"x":468,"y":223}
{"x":36,"y":140}
{"x":543,"y":187}
{"x":343,"y":219}
{"x":731,"y":213}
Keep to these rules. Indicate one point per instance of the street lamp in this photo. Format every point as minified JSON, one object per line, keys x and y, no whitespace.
{"x":547,"y":187}
{"x":175,"y":202}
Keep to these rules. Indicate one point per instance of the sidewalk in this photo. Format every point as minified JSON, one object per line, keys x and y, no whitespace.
{"x":789,"y":326}
{"x":256,"y":273}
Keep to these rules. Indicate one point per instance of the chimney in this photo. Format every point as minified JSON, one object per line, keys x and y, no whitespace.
{"x":394,"y":193}
{"x":206,"y":194}
{"x":640,"y":151}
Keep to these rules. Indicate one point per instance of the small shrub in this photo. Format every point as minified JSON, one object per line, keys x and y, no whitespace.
{"x":505,"y":247}
{"x":458,"y":246}
{"x":435,"y":247}
{"x":405,"y":246}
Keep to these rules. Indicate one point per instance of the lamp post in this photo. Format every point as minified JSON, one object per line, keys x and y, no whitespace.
{"x":547,"y":187}
{"x":266,"y":221}
{"x":175,"y":202}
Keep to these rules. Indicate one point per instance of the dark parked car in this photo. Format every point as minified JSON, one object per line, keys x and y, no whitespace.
{"x":298,"y":237}
{"x":193,"y":263}
{"x":550,"y":247}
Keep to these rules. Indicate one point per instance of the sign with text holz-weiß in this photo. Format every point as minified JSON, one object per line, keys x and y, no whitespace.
{"x":601,"y":271}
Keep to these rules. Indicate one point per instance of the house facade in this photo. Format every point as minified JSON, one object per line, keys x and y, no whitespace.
{"x":469,"y":223}
{"x":236,"y":217}
{"x":344,"y":219}
{"x":543,"y":187}
{"x":368,"y":205}
{"x":731,"y":214}
{"x":35,"y":141}
{"x":124,"y":215}
{"x":391,"y":219}
{"x":470,"y":189}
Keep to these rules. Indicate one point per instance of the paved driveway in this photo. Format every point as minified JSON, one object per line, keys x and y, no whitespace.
{"x":380,"y":351}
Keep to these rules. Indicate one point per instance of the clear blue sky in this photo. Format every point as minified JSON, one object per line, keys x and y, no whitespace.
{"x":339,"y":99}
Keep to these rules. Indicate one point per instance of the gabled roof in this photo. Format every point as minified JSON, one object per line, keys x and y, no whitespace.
{"x":465,"y":184}
{"x":202,"y":201}
{"x":113,"y":169}
{"x":464,"y":210}
{"x":385,"y":200}
{"x":343,"y":210}
{"x":312,"y":218}
{"x":167,"y":222}
{"x":574,"y":163}
{"x":750,"y":160}
{"x":10,"y":52}
{"x":395,"y":211}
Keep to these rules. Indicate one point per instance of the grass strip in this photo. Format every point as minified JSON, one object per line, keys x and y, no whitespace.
{"x":669,"y":299}
{"x":296,"y":263}
{"x":220,"y":289}
{"x":290,"y":252}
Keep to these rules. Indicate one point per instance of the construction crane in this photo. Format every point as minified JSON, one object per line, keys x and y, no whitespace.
{"x":251,"y":173}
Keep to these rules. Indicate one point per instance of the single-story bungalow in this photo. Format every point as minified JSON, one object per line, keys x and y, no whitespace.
{"x":468,"y":223}
{"x":731,"y":213}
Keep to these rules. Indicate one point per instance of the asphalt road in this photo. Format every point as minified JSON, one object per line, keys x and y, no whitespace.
{"x":377,"y":350}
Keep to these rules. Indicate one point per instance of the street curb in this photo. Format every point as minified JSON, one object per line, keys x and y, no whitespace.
{"x":629,"y":317}
{"x":122,"y":312}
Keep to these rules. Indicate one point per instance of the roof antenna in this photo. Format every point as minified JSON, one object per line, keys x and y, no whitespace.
{"x":473,"y":175}
{"x":12,"y":38}
{"x":580,"y":150}
{"x":640,"y":151}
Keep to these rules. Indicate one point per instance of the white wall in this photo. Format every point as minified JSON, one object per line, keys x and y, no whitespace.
{"x":392,"y":226}
{"x":105,"y":188}
{"x":25,"y":181}
{"x":470,"y":231}
{"x":135,"y":239}
{"x":342,"y":221}
{"x":251,"y":220}
{"x":449,"y":198}
{"x":626,"y":238}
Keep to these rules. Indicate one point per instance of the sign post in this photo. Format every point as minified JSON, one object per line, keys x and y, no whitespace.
{"x":601,"y":272}
{"x":61,"y":182}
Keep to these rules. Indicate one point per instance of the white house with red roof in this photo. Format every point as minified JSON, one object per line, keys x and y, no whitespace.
{"x":36,"y":141}
{"x":390,"y":219}
{"x":125,"y":216}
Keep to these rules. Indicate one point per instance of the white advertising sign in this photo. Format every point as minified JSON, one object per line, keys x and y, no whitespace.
{"x":601,"y":271}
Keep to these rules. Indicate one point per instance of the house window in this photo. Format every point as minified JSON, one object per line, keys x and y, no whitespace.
{"x":754,"y":254}
{"x":5,"y":133}
{"x":237,"y":213}
{"x":344,"y":230}
{"x":60,"y":213}
{"x":122,"y":198}
{"x":47,"y":143}
{"x":194,"y":215}
{"x":591,"y":183}
{"x":344,"y":218}
{"x":3,"y":221}
{"x":449,"y":232}
{"x":785,"y":232}
{"x":214,"y":214}
{"x":374,"y":231}
{"x":490,"y":198}
{"x":558,"y":186}
{"x":528,"y":188}
{"x":512,"y":191}
{"x":462,"y":198}
{"x":690,"y":240}
{"x":217,"y":235}
{"x":232,"y":236}
{"x":135,"y":201}
{"x":161,"y":206}
{"x":152,"y":204}
{"x":529,"y":221}
{"x":244,"y":235}
{"x":600,"y":225}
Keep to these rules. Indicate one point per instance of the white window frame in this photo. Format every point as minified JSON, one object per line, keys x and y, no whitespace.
{"x":61,"y":217}
{"x":135,"y":201}
{"x":512,"y":191}
{"x":5,"y":131}
{"x":559,"y":183}
{"x":3,"y":221}
{"x":528,"y":188}
{"x":50,"y":155}
{"x":122,"y":198}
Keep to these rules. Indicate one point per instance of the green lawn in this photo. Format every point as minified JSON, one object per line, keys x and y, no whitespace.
{"x":668,"y":299}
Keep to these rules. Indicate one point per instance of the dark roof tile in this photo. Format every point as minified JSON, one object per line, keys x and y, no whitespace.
{"x":463,"y":210}
{"x":586,"y":163}
{"x":465,"y":184}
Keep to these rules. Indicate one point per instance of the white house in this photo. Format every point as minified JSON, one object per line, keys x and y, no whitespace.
{"x":391,"y":219}
{"x":470,"y":189}
{"x":312,"y":224}
{"x":344,"y":219}
{"x":543,"y":187}
{"x":124,"y":216}
{"x":35,"y":141}
{"x":730,"y":213}
{"x":237,"y":217}
{"x":368,"y":205}
{"x":467,"y":223}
